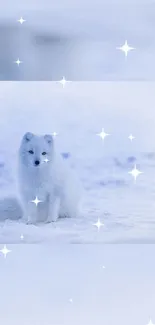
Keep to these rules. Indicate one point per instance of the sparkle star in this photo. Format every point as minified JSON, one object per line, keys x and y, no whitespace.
{"x":36,"y":201}
{"x":21,"y":237}
{"x":71,"y":300}
{"x":5,"y":251}
{"x":135,"y":172}
{"x":125,"y":48}
{"x":98,"y":224}
{"x":102,"y":134}
{"x":21,"y":20}
{"x":46,"y":160}
{"x":131,"y":137}
{"x":63,"y":82}
{"x":54,"y":134}
{"x":18,"y":62}
{"x":150,"y":322}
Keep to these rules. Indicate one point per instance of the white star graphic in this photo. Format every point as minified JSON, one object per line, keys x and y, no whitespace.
{"x":98,"y":224}
{"x":18,"y":62}
{"x":102,"y":134}
{"x":135,"y":172}
{"x":54,"y":134}
{"x":125,"y":48}
{"x":5,"y":251}
{"x":71,"y":300}
{"x":131,"y":137}
{"x":150,"y":322}
{"x":21,"y":20}
{"x":21,"y":237}
{"x":63,"y":82}
{"x":46,"y":160}
{"x":36,"y":201}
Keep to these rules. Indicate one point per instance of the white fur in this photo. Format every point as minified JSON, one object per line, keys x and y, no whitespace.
{"x":51,"y":182}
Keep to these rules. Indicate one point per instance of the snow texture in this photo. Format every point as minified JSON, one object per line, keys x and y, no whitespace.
{"x":77,"y":113}
{"x":77,"y":39}
{"x":67,"y":284}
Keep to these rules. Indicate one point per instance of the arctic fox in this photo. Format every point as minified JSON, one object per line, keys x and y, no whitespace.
{"x":48,"y":188}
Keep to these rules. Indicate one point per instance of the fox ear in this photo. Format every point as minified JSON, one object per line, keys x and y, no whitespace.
{"x":48,"y":138}
{"x":28,"y":136}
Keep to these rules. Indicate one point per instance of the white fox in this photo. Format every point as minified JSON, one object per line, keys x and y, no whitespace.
{"x":48,"y":188}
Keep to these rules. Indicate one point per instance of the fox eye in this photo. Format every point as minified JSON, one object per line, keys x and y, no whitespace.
{"x":31,"y":152}
{"x":44,"y":153}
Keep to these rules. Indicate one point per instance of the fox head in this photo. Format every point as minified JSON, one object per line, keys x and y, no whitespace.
{"x":35,"y":151}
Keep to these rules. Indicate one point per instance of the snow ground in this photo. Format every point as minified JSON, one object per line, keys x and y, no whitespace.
{"x":39,"y":281}
{"x":77,"y":113}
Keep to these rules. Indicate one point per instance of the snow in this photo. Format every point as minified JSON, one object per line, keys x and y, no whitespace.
{"x":38,"y":281}
{"x":45,"y":281}
{"x":77,"y":113}
{"x":78,"y":40}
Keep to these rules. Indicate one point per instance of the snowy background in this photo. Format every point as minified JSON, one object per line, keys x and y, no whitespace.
{"x":67,"y":284}
{"x":77,"y":39}
{"x":51,"y":283}
{"x":77,"y":113}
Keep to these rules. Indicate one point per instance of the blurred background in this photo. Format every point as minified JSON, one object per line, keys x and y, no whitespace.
{"x":77,"y":40}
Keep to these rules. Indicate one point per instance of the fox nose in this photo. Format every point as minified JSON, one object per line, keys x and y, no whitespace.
{"x":37,"y":162}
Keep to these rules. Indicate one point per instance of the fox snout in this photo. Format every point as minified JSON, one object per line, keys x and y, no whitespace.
{"x":37,"y":162}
